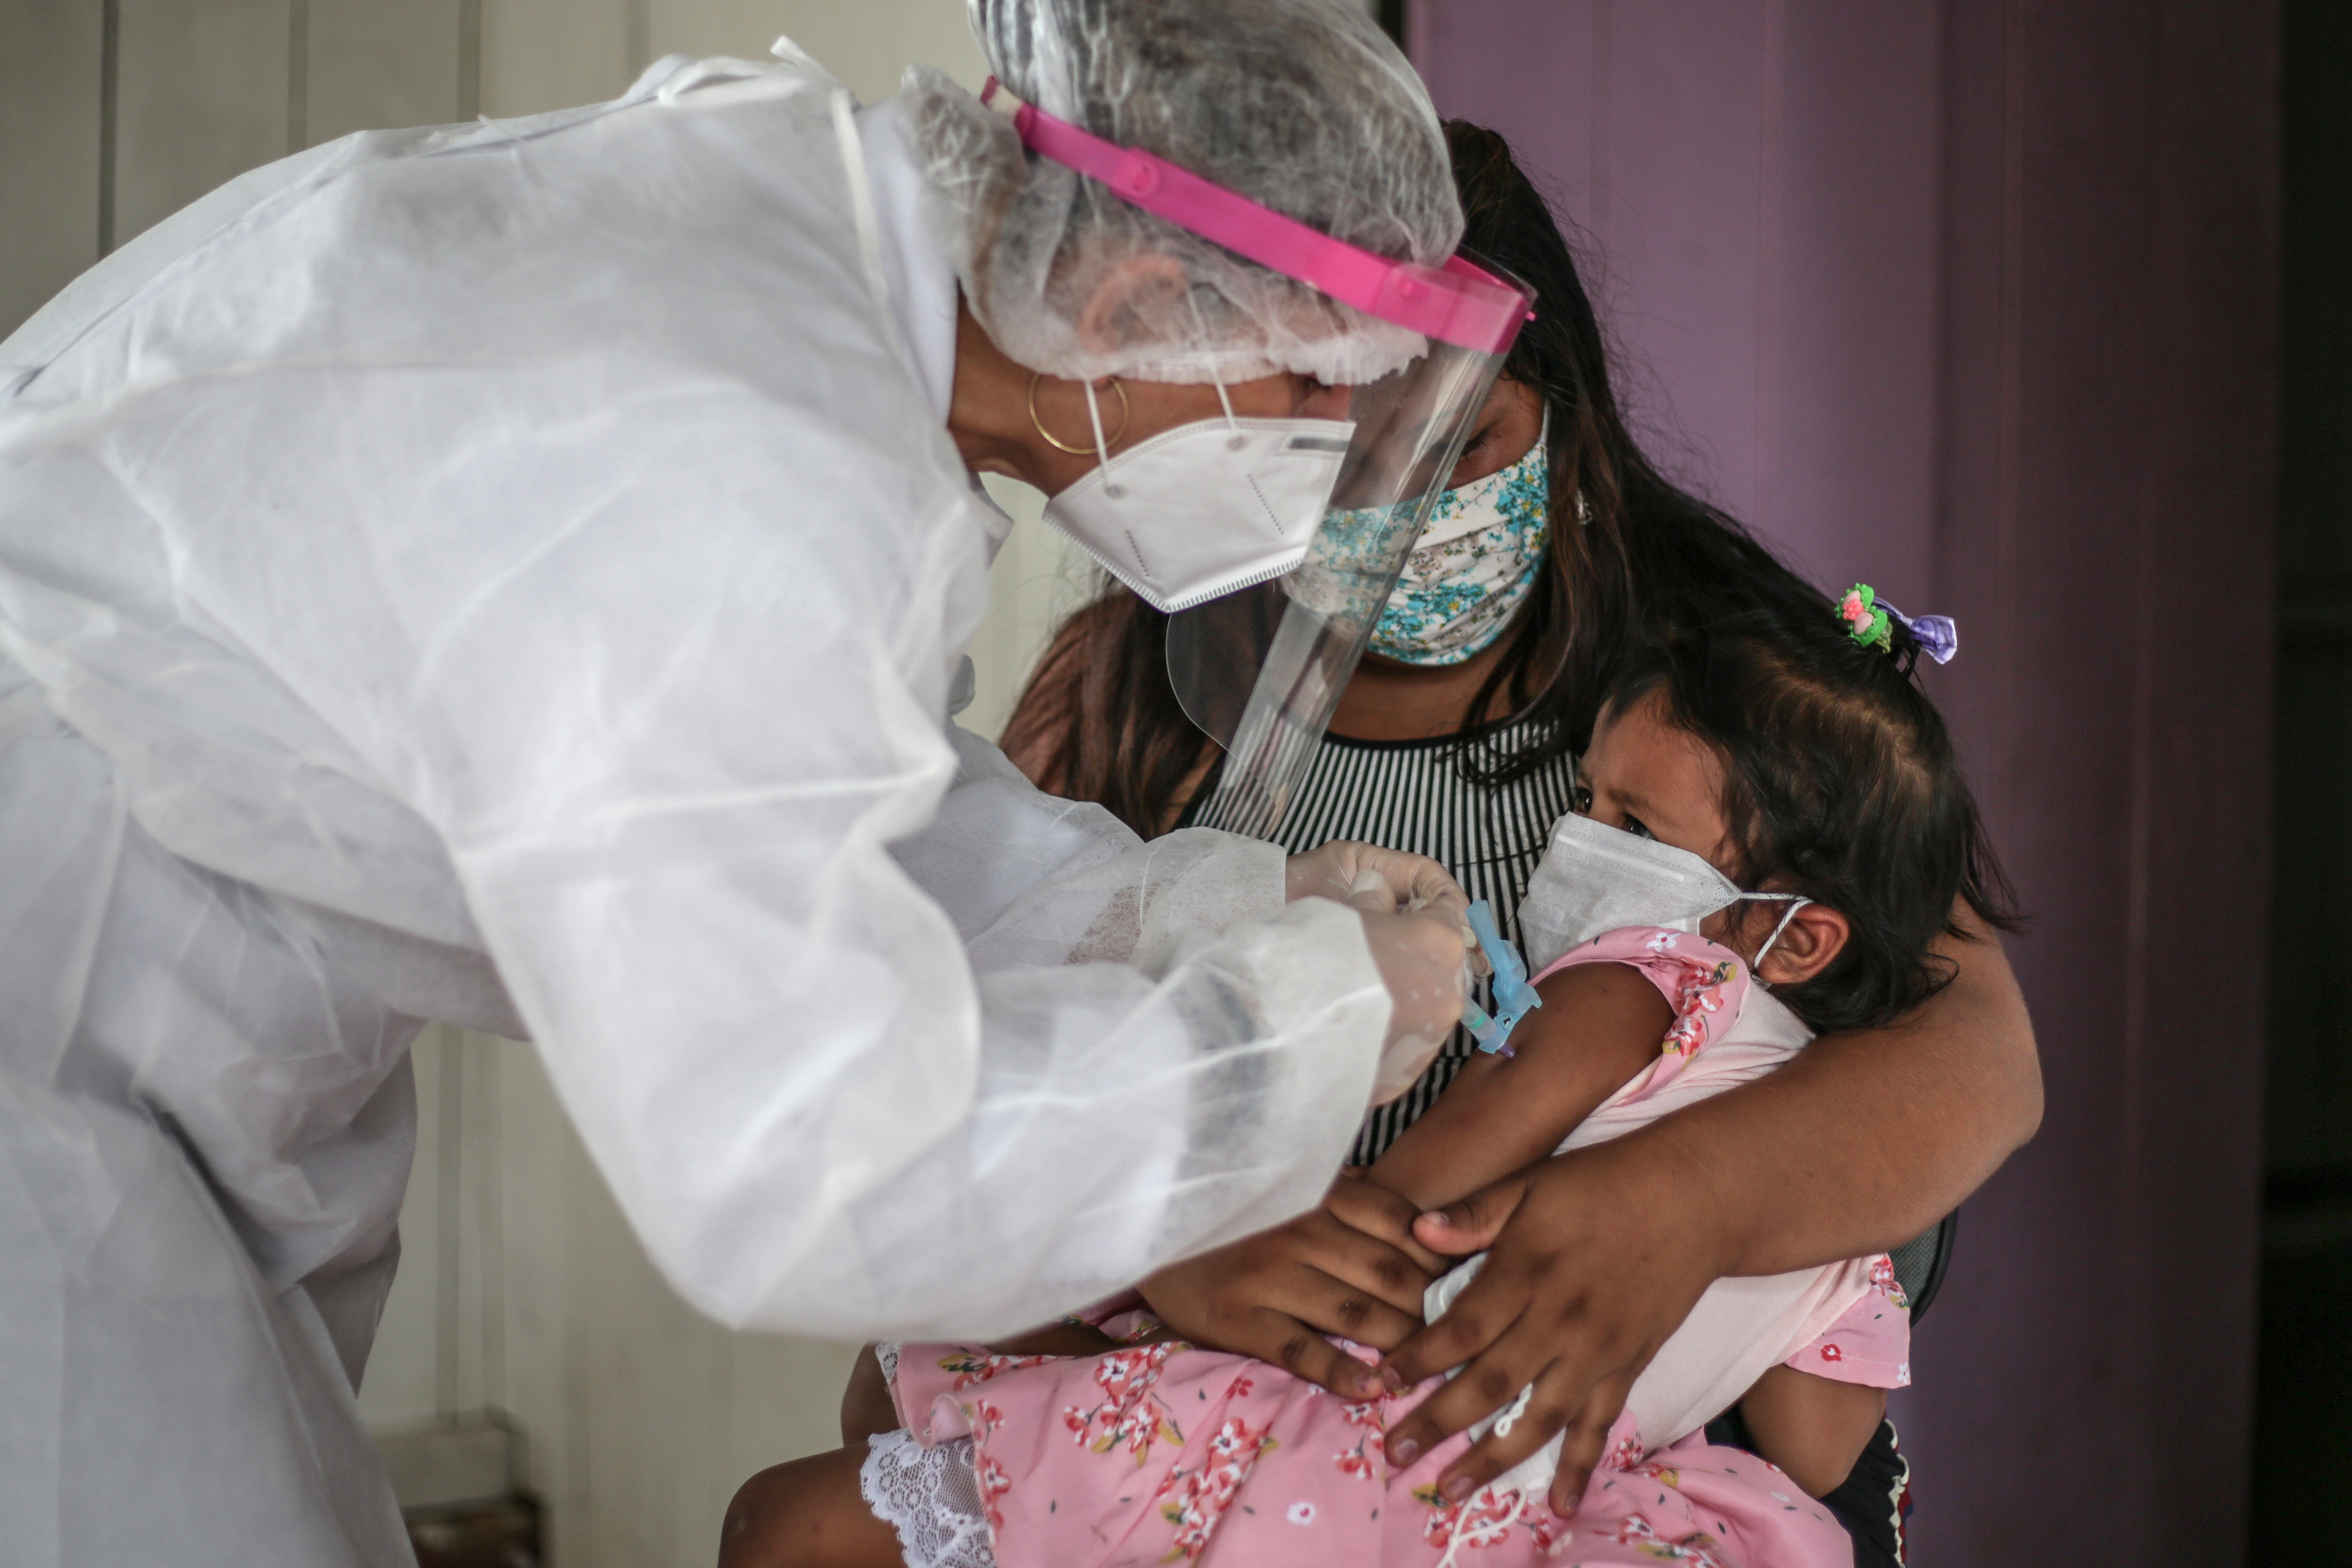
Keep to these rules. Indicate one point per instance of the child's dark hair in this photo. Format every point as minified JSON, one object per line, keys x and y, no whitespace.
{"x":1840,"y":785}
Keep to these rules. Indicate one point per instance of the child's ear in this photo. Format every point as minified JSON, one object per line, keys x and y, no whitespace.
{"x":1816,"y":934}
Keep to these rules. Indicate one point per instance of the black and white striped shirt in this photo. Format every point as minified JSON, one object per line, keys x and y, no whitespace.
{"x":1411,"y":795}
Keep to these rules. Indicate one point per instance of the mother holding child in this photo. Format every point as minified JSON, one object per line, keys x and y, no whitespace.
{"x":1777,"y":1038}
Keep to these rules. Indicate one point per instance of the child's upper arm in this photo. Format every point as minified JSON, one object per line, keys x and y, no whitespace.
{"x":1600,"y":1025}
{"x":1614,"y":1007}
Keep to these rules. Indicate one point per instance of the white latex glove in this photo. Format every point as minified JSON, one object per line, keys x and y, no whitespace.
{"x":1371,"y":877}
{"x":1421,"y":957}
{"x":1412,"y":913}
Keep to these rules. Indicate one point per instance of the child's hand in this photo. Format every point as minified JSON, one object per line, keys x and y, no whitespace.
{"x":1276,"y":1294}
{"x":1370,"y":1209}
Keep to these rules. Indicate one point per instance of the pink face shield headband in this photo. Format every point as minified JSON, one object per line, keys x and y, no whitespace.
{"x":1458,"y":303}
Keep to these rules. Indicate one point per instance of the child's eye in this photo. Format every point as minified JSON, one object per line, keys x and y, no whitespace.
{"x":1580,"y":800}
{"x":1635,"y":826}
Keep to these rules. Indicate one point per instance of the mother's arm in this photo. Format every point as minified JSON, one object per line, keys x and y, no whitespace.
{"x":1859,"y":1144}
{"x":1867,"y":1139}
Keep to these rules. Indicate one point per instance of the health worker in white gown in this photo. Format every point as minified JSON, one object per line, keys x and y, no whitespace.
{"x":514,"y":575}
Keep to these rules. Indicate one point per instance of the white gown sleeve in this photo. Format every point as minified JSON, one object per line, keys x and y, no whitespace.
{"x":1112,"y":974}
{"x":527,"y":541}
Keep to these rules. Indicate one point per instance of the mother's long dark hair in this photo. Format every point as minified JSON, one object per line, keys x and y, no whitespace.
{"x":1098,"y":720}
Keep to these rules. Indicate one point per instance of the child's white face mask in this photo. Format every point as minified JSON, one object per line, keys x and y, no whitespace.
{"x":1596,"y":879}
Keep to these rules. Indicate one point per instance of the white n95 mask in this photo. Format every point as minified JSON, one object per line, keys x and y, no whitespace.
{"x":1206,"y":508}
{"x":1595,"y":879}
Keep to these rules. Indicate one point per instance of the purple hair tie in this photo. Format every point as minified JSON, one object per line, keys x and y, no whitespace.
{"x":1937,"y":637}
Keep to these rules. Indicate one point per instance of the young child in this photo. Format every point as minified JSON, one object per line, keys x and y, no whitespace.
{"x":1771,"y":832}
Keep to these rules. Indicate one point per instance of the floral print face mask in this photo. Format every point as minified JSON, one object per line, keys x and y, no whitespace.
{"x":1473,"y":565}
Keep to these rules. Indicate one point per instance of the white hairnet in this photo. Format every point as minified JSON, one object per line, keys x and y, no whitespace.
{"x":1304,"y":106}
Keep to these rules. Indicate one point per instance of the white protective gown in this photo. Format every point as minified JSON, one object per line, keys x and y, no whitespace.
{"x":513,"y":575}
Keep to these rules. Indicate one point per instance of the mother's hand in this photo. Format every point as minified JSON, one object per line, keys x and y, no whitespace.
{"x":1350,"y":1267}
{"x":1592,"y":1262}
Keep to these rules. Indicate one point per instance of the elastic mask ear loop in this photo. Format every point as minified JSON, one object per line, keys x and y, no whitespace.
{"x":1102,"y":447}
{"x":1756,"y":964}
{"x":1233,"y":439}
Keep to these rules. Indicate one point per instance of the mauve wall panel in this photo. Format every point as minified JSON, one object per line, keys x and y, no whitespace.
{"x":1975,"y":302}
{"x":1757,"y":191}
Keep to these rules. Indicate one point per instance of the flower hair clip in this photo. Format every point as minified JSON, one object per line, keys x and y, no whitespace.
{"x":1866,"y":623}
{"x":1870,"y":623}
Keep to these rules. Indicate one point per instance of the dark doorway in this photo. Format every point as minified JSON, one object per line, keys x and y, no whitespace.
{"x":2303,"y":1415}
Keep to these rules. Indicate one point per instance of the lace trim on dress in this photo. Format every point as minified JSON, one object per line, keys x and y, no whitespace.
{"x":930,"y":1498}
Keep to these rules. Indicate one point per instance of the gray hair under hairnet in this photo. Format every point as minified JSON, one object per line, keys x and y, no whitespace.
{"x":1304,"y":106}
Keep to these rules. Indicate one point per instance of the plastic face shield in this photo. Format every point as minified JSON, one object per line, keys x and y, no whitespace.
{"x":1260,"y":670}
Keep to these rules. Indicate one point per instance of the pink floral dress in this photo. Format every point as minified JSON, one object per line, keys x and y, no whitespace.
{"x":1162,"y":1453}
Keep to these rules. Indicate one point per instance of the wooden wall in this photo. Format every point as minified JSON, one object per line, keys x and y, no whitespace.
{"x":522,"y":1289}
{"x":116,"y":112}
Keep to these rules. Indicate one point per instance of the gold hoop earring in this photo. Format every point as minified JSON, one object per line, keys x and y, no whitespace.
{"x":1125,"y":413}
